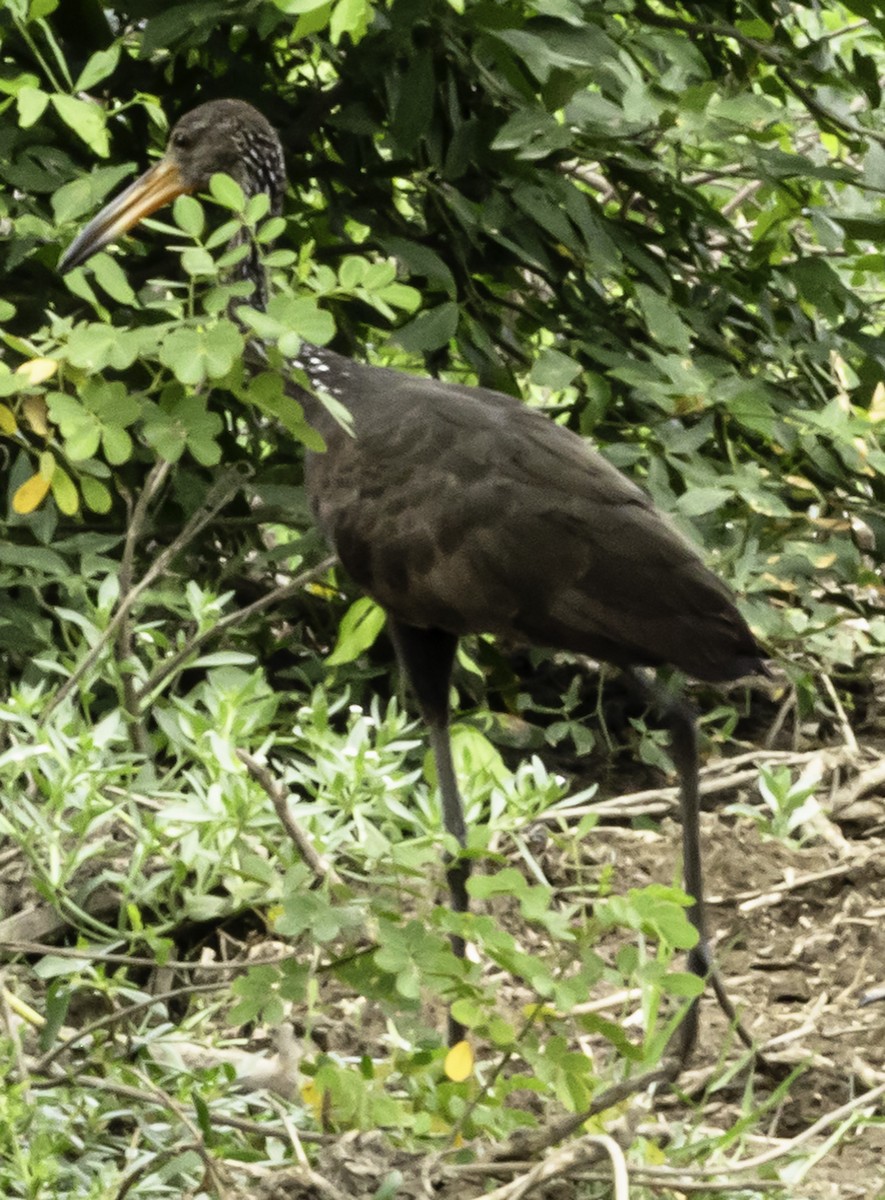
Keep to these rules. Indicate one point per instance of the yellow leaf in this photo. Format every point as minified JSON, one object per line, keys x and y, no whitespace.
{"x":37,"y":370}
{"x":34,"y":408}
{"x":877,"y":404}
{"x":30,"y":495}
{"x":313,"y":1098}
{"x":8,"y":423}
{"x":47,"y":464}
{"x":459,"y":1062}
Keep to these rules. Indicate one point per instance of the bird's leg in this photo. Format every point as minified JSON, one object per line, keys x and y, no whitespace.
{"x":679,"y":719}
{"x":427,"y":657}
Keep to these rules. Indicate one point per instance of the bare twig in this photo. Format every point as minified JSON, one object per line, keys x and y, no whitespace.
{"x":155,"y":480}
{"x":280,"y":801}
{"x":21,"y":1067}
{"x":218,"y":498}
{"x":89,"y":954}
{"x":531,"y":1142}
{"x":96,"y":1083}
{"x":844,"y":725}
{"x":579,"y":1153}
{"x":776,"y":891}
{"x":866,"y":781}
{"x":277,"y":596}
{"x":43,"y":1064}
{"x":657,"y":801}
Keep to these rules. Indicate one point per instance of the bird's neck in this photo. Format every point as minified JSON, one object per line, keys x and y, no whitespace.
{"x":327,"y":373}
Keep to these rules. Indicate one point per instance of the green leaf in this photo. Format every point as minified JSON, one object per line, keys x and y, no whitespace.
{"x":187,"y":212}
{"x":302,"y":319}
{"x":95,"y":495}
{"x":195,"y":353}
{"x":293,"y":7}
{"x":699,"y":500}
{"x":110,"y":277}
{"x":417,"y":94}
{"x":352,"y":17}
{"x":267,"y":392}
{"x":554,"y":370}
{"x":87,"y":121}
{"x":197,"y":261}
{"x":72,"y":200}
{"x":183,"y":422}
{"x":64,"y":493}
{"x":31,"y":103}
{"x":352,"y":272}
{"x":227,"y":192}
{"x":532,"y":133}
{"x":358,"y":630}
{"x":430,"y":330}
{"x":663,"y":320}
{"x":99,"y":65}
{"x":116,"y":444}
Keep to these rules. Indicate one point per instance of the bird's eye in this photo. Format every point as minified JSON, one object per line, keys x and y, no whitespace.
{"x":182,"y":140}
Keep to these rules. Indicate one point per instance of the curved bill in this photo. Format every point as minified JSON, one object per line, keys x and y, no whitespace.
{"x":150,"y":191}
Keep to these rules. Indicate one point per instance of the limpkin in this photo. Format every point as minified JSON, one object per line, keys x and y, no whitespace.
{"x":460,"y":510}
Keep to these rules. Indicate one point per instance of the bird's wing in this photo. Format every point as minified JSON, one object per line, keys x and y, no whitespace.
{"x":463,"y":509}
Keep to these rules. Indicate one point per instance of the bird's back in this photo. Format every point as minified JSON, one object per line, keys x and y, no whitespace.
{"x":462,"y":509}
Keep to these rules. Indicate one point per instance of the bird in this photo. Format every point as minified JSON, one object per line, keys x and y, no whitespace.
{"x":461,"y":510}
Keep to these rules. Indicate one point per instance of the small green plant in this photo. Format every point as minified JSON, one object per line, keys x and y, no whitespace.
{"x":789,"y":810}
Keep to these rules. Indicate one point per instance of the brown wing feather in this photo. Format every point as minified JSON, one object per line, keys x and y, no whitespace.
{"x":465,"y":510}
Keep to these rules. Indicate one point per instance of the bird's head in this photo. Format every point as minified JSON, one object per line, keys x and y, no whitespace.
{"x":228,"y":136}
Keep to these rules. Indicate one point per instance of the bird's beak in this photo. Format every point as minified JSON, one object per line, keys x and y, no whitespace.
{"x":156,"y":187}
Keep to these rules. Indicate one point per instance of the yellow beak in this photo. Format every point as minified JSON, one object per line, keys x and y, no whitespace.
{"x":150,"y":191}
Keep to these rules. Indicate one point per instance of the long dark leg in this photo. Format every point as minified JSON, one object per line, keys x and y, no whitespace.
{"x":427,"y":656}
{"x":679,"y":719}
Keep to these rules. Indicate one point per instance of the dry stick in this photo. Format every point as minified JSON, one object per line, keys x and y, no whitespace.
{"x":97,"y":1083}
{"x":580,"y":1153}
{"x":280,"y":801}
{"x":218,"y":498}
{"x":531,"y":1142}
{"x":21,"y":1068}
{"x":832,"y":1118}
{"x":199,"y":1142}
{"x":665,"y":799}
{"x":774,"y":892}
{"x":650,"y":1177}
{"x":866,"y":781}
{"x":87,"y":954}
{"x":155,"y":480}
{"x":847,"y":732}
{"x":294,"y":1140}
{"x":46,"y":1060}
{"x":277,"y":596}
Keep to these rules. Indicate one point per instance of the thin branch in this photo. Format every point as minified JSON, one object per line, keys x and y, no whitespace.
{"x":318,"y":865}
{"x":110,"y":1019}
{"x":775,"y":58}
{"x":531,"y":1142}
{"x":580,"y":1153}
{"x":96,"y":1083}
{"x":277,"y":596}
{"x":218,"y":498}
{"x":17,"y":946}
{"x":157,"y":476}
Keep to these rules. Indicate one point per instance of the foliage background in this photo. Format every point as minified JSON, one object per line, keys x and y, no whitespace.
{"x":662,"y":222}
